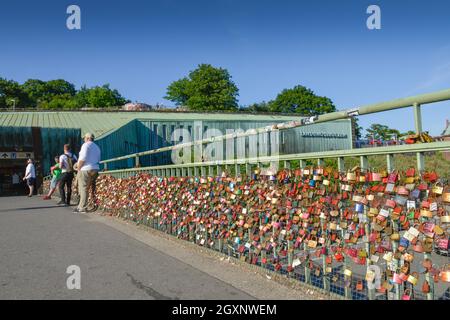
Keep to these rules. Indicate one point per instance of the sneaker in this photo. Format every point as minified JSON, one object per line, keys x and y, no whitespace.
{"x":46,"y":198}
{"x":76,"y":210}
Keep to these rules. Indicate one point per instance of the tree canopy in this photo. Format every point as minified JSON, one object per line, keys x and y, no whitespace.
{"x":381,"y":132}
{"x":205,"y":89}
{"x":301,"y":100}
{"x":56,"y":94}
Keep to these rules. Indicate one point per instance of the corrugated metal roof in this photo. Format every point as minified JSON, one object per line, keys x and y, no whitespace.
{"x":100,"y":123}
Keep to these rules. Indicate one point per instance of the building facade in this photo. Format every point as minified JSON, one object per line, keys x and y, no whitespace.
{"x":127,"y":132}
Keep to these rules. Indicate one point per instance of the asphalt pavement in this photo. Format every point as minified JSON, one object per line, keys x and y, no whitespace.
{"x":39,"y":241}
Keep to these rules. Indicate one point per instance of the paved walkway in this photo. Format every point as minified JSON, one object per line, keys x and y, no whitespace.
{"x":39,"y":240}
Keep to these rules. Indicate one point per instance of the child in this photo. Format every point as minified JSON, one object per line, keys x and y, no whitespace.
{"x":56,"y":173}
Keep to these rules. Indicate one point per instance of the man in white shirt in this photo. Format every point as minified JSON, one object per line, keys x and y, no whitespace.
{"x":30,"y":176}
{"x":88,"y":167}
{"x":66,"y":163}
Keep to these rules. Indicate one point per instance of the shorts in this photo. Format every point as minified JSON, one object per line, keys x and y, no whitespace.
{"x":30,"y":181}
{"x":54,"y":183}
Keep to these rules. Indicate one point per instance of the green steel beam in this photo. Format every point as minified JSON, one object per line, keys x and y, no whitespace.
{"x":390,"y":162}
{"x":419,"y":149}
{"x":417,"y":118}
{"x":345,"y":114}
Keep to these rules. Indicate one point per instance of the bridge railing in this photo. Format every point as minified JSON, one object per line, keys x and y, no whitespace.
{"x":415,"y":102}
{"x":415,"y":153}
{"x":245,"y":165}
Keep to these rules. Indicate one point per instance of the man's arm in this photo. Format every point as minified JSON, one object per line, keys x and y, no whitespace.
{"x":82,"y":156}
{"x":80,"y":164}
{"x":61,"y":161}
{"x":27,"y":172}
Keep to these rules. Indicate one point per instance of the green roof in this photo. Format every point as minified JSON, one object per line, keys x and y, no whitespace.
{"x":101,"y":123}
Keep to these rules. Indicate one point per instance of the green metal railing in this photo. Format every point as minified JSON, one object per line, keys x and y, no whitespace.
{"x":199,"y":168}
{"x":215,"y":168}
{"x":415,"y":102}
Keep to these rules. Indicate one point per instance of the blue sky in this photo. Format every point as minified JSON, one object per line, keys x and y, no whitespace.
{"x":139,"y":47}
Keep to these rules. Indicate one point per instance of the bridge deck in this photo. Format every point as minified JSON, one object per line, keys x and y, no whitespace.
{"x":39,"y":240}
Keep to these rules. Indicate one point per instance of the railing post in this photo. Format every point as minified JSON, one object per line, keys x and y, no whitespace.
{"x":320,"y":162}
{"x":189,"y":171}
{"x":287,"y":164}
{"x":248,"y":169}
{"x":136,"y":162}
{"x":395,"y":261}
{"x":390,"y":162}
{"x":341,"y":166}
{"x":364,"y":163}
{"x":210,"y":171}
{"x":367,"y":230}
{"x":301,"y":163}
{"x":420,"y":161}
{"x":307,"y":269}
{"x":417,"y":118}
{"x":237,"y":170}
{"x":326,"y":282}
{"x":106,"y":166}
{"x":428,"y":275}
{"x":219,"y":170}
{"x":289,"y":253}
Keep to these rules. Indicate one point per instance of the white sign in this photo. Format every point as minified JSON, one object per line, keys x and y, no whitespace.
{"x":16,"y":155}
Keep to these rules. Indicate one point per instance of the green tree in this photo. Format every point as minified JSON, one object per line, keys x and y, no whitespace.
{"x":60,"y":87}
{"x":62,"y":101}
{"x":11,"y":93}
{"x":177,"y":92}
{"x":36,"y":90}
{"x":357,"y":127}
{"x":381,"y":132}
{"x":257,"y":107}
{"x":407,"y":133}
{"x":301,"y":100}
{"x":205,"y":89}
{"x":40,"y":91}
{"x":102,"y":97}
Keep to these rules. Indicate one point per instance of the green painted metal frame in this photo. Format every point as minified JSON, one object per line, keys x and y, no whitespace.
{"x":364,"y":153}
{"x":415,"y":102}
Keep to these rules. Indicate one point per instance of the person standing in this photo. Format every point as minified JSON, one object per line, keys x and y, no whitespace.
{"x":30,"y":176}
{"x":66,"y":162}
{"x":56,"y":174}
{"x":88,"y":167}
